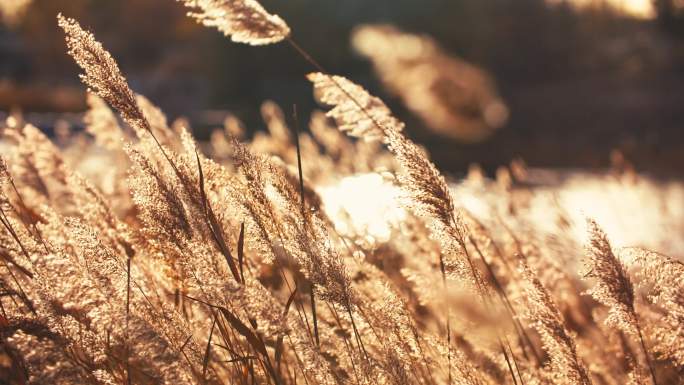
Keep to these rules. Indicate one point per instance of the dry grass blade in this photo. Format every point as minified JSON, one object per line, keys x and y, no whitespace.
{"x":214,"y":226}
{"x":299,"y":159}
{"x":128,"y":313}
{"x":428,"y":194}
{"x":279,"y":343}
{"x":9,"y":259}
{"x":252,"y":338}
{"x":10,"y":229}
{"x":22,"y":294}
{"x":241,"y":250}
{"x":207,"y":351}
{"x":312,"y":291}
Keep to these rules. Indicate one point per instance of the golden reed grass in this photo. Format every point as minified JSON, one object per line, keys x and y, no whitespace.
{"x":169,"y":266}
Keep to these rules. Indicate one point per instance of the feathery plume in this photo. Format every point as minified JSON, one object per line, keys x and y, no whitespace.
{"x":356,"y":111}
{"x":613,"y":287}
{"x":361,"y":114}
{"x":101,"y":73}
{"x":559,"y":344}
{"x":663,"y":277}
{"x":244,"y":21}
{"x":664,"y":274}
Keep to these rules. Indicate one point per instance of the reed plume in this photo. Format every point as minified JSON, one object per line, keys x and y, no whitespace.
{"x":244,"y":21}
{"x":454,"y":98}
{"x":101,"y":73}
{"x":356,"y":111}
{"x":566,"y":365}
{"x":661,"y":276}
{"x":613,"y":288}
{"x":360,"y":114}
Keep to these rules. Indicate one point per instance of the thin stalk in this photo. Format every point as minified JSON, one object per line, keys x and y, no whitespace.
{"x":299,"y":159}
{"x":512,"y":314}
{"x":312,"y":293}
{"x":313,"y":314}
{"x":487,"y":303}
{"x":448,"y":314}
{"x":648,"y":359}
{"x":128,"y":311}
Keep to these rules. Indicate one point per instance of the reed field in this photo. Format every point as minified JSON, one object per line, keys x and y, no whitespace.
{"x":328,"y":249}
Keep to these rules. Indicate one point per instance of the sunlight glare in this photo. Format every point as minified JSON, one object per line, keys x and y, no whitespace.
{"x":365,"y":203}
{"x":642,"y":9}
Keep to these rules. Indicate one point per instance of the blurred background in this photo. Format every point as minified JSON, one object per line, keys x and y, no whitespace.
{"x":563,"y":84}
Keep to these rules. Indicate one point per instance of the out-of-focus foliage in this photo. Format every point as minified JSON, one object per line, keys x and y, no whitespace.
{"x":453,"y":98}
{"x":12,"y":11}
{"x":578,"y":82}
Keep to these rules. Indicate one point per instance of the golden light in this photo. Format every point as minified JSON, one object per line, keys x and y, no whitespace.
{"x":363,"y":204}
{"x":11,"y":11}
{"x":642,"y":9}
{"x":637,"y":8}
